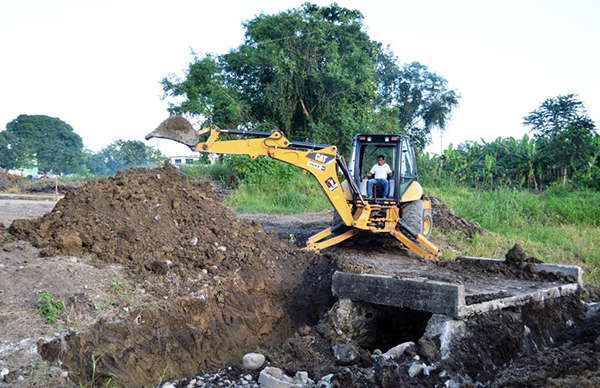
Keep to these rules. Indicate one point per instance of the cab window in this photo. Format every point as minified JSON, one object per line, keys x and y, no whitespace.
{"x":407,"y":168}
{"x":370,"y":152}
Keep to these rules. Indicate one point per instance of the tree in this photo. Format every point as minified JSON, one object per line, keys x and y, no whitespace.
{"x":420,"y":99}
{"x":121,"y":155}
{"x":47,"y":142}
{"x":564,"y":132}
{"x":314,"y":73}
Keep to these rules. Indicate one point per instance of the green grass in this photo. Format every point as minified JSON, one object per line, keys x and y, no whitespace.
{"x":279,"y":190}
{"x":300,"y":195}
{"x":558,"y":226}
{"x":216,"y":172}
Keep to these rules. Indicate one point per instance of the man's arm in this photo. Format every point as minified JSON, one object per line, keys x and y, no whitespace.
{"x":370,"y":173}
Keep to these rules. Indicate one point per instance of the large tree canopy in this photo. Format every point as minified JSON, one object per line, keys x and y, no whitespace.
{"x":314,"y":73}
{"x":564,"y":132}
{"x":47,"y":142}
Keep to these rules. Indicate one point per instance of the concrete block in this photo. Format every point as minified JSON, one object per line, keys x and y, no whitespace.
{"x":423,"y":295}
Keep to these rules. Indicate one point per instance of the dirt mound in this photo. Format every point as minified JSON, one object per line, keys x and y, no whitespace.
{"x":445,"y":219}
{"x":150,"y":220}
{"x":516,"y":255}
{"x":514,"y":267}
{"x":222,"y":285}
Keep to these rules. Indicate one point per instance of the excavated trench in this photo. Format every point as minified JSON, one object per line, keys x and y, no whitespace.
{"x":218,"y":287}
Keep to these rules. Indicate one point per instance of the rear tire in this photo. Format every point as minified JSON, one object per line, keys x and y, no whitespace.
{"x":417,"y":218}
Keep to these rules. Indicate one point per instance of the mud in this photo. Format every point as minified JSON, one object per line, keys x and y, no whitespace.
{"x":573,"y":361}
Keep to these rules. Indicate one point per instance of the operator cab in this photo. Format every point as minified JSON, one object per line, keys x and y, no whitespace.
{"x":399,"y":155}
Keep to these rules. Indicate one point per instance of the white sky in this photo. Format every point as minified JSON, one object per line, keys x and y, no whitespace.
{"x":97,"y":64}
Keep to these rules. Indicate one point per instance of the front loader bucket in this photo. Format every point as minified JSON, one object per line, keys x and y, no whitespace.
{"x":176,"y":128}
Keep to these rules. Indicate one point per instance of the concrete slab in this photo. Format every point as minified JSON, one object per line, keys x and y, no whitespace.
{"x":450,"y":296}
{"x":423,"y":295}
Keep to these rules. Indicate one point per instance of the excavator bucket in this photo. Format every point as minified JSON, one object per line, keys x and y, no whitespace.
{"x":176,"y":128}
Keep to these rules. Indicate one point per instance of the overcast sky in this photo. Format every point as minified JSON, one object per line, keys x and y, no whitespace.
{"x":97,"y":64}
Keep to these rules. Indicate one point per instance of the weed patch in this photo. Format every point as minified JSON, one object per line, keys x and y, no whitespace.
{"x":49,"y":309}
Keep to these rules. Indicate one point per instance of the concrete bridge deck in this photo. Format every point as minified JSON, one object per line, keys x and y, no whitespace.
{"x":420,"y":286}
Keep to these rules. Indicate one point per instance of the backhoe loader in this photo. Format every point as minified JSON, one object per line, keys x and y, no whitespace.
{"x":403,"y":213}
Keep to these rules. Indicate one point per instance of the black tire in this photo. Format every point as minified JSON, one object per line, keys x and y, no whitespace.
{"x":413,"y":215}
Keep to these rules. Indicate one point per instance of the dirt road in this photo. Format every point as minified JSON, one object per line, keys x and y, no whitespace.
{"x":12,"y":209}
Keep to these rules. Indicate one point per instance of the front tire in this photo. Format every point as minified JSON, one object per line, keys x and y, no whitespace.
{"x":417,"y":218}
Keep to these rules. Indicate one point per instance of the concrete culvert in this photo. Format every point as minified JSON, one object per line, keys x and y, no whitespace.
{"x":380,"y":327}
{"x":393,"y":326}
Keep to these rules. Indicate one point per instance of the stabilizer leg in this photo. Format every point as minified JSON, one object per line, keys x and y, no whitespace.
{"x":316,"y":243}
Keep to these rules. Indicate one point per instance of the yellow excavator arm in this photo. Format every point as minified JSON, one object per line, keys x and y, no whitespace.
{"x":320,"y":162}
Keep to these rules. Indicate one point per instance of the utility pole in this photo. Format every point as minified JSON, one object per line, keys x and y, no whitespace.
{"x":441,"y":148}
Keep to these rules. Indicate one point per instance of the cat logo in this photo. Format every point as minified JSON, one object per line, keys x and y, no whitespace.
{"x":320,"y":157}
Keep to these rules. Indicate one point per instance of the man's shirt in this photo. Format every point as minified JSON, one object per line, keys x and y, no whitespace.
{"x":381,"y":172}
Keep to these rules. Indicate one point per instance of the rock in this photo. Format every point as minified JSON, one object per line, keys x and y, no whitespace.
{"x":304,"y":330}
{"x":397,"y":351}
{"x":192,"y":382}
{"x":253,"y":361}
{"x":248,"y":377}
{"x":274,"y":378}
{"x":73,"y":260}
{"x":345,"y":353}
{"x":64,"y":374}
{"x":10,"y":376}
{"x":301,"y":377}
{"x":168,"y":385}
{"x":325,"y":381}
{"x":452,"y":384}
{"x":428,"y":350}
{"x":415,"y":369}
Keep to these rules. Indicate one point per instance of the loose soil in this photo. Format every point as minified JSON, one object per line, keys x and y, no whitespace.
{"x":220,"y":285}
{"x":165,"y":282}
